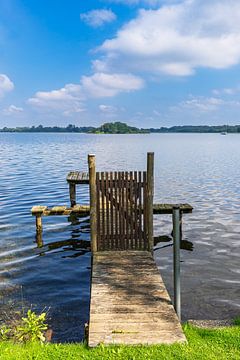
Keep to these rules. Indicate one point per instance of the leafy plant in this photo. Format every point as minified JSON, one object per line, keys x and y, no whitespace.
{"x":4,"y":332}
{"x":29,"y":328}
{"x":32,"y":328}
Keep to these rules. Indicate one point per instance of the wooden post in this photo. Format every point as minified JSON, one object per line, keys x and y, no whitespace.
{"x":39,"y":239}
{"x":39,"y":230}
{"x":72,"y":193}
{"x":150,"y":190}
{"x":38,"y":223}
{"x":93,"y":201}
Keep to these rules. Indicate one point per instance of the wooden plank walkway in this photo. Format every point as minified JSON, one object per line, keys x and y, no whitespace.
{"x":129,"y":302}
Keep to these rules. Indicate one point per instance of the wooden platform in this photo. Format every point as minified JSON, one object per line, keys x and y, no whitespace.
{"x":77,"y":177}
{"x":129,"y":302}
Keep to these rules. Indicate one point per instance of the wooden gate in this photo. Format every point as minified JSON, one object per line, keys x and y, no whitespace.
{"x":121,"y":208}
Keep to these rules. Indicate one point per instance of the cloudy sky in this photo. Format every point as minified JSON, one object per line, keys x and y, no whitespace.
{"x":150,"y":63}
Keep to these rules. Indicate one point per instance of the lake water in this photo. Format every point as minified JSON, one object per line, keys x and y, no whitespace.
{"x":200,"y":169}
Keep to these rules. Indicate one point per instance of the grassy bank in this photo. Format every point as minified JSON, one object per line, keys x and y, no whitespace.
{"x":218,"y":344}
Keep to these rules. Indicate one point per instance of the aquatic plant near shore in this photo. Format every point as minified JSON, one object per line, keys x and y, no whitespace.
{"x":30,"y":328}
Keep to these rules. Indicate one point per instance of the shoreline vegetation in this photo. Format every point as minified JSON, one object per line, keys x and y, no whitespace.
{"x":218,"y":343}
{"x":123,"y":128}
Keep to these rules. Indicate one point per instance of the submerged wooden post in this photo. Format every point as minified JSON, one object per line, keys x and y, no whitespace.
{"x":93,"y":201}
{"x":150,"y":190}
{"x":72,"y":193}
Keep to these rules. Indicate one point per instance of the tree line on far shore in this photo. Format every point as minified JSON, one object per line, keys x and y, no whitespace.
{"x":123,"y":128}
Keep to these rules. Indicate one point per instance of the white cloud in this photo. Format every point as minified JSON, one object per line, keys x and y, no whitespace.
{"x":176,"y":39}
{"x":12,"y":110}
{"x":67,"y":100}
{"x":71,"y":98}
{"x":6,"y":85}
{"x":99,"y":17}
{"x":108,"y":85}
{"x":202,"y":103}
{"x":227,"y":91}
{"x":206,"y":104}
{"x":107,"y":109}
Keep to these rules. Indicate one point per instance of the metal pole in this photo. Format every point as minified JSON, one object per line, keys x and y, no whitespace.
{"x":150,"y":191}
{"x":176,"y":260}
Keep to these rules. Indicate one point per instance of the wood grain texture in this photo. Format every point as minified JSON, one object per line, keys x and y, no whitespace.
{"x":129,"y":302}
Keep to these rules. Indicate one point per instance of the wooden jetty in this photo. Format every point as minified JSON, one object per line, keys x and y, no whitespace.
{"x":129,"y":302}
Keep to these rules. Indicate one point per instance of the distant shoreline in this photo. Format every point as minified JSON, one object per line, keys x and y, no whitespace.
{"x":123,"y":128}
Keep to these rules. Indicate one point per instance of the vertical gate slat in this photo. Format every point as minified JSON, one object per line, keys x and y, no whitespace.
{"x":135,"y":215}
{"x":111,"y":210}
{"x":140,"y":208}
{"x":145,"y":231}
{"x":119,"y":200}
{"x":108,"y":242}
{"x":131,"y":209}
{"x":116,"y":210}
{"x":103,"y":211}
{"x":123,"y":209}
{"x":126,"y":176}
{"x":120,"y":210}
{"x":98,"y":212}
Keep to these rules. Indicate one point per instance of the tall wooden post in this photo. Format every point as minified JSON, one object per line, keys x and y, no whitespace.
{"x":93,"y":201}
{"x":150,"y":190}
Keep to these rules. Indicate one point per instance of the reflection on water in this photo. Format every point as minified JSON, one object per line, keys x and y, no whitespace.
{"x":201,"y":169}
{"x":184,"y":244}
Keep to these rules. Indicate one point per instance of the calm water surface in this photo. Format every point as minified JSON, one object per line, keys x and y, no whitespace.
{"x":201,"y":169}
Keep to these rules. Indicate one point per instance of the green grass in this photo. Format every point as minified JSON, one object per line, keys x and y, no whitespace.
{"x":204,"y":344}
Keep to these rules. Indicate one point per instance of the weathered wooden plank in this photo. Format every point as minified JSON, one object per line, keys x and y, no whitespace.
{"x":128,"y":318}
{"x":139,"y":338}
{"x":168,"y":208}
{"x":78,"y":177}
{"x":157,"y":209}
{"x":60,"y":210}
{"x":130,"y":306}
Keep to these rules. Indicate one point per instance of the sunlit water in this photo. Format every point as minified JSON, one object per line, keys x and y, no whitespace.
{"x":201,"y":169}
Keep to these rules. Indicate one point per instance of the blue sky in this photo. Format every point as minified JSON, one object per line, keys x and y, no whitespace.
{"x":149,"y":63}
